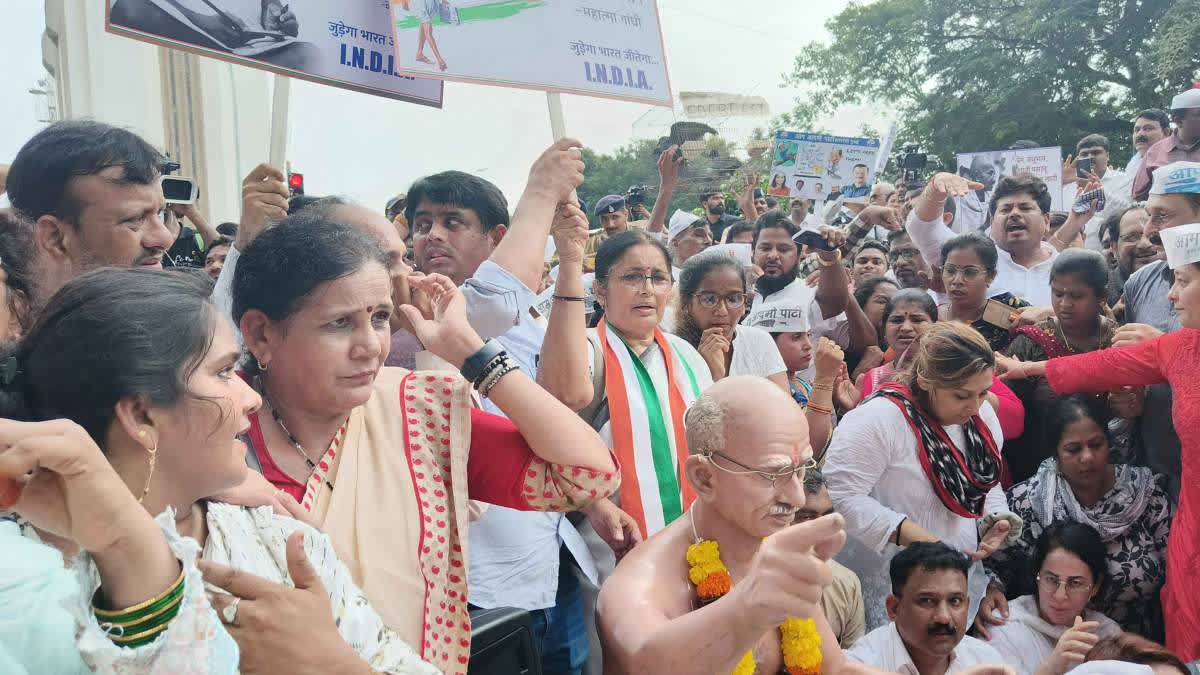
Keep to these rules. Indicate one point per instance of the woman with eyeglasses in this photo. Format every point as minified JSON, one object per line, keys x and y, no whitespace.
{"x":920,"y":461}
{"x":1078,"y":284}
{"x":1051,"y":630}
{"x":712,"y":302}
{"x":968,"y":270}
{"x":1127,"y":505}
{"x":639,"y":381}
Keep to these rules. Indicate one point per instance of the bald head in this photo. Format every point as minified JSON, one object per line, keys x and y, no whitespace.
{"x":368,"y":221}
{"x":749,"y":409}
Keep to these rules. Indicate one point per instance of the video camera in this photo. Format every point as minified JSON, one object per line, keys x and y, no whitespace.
{"x":636,"y":195}
{"x":912,"y":162}
{"x":176,"y":189}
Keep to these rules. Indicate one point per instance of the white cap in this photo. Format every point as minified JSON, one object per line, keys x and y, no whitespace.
{"x":1188,"y":99}
{"x":786,"y":311}
{"x":680,"y":221}
{"x":1182,"y":244}
{"x":1111,"y":668}
{"x":741,"y":253}
{"x":1176,"y":178}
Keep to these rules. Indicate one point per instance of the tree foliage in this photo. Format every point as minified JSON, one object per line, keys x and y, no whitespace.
{"x":969,"y":75}
{"x":637,"y":164}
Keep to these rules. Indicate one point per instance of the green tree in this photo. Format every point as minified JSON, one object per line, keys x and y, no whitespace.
{"x":637,"y":164}
{"x":969,"y":75}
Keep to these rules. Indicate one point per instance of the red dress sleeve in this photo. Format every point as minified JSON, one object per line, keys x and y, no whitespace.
{"x":1107,"y":369}
{"x":502,"y":470}
{"x":1010,"y":412}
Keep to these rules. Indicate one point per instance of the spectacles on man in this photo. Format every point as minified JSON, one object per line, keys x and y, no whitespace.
{"x":906,"y":253}
{"x":635,"y":281}
{"x":1050,"y":582}
{"x":969,"y":273}
{"x":709,"y":300}
{"x":771,"y":477}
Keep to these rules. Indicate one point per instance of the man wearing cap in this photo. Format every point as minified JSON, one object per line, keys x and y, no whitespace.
{"x":613,"y":214}
{"x":1174,"y":201}
{"x":687,"y":235}
{"x":1183,"y":145}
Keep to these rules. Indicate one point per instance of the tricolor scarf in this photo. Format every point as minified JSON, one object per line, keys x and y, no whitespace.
{"x":961,"y":478}
{"x":649,"y":442}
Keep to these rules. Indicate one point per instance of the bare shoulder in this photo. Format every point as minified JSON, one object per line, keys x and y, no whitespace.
{"x":648,"y":588}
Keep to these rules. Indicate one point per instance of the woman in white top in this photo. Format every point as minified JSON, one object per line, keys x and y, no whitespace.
{"x":712,"y":302}
{"x":920,"y":461}
{"x":1047,"y":633}
{"x":162,"y":399}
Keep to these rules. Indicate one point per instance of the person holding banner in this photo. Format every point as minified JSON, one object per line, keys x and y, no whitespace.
{"x":1171,"y":359}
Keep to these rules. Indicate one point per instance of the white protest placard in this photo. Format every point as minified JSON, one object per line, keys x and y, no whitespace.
{"x":608,"y":48}
{"x":822,"y":167}
{"x":341,"y":44}
{"x":989,"y":167}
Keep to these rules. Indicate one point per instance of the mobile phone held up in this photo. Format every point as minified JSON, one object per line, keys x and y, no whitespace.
{"x":1084,"y":166}
{"x":813,"y":239}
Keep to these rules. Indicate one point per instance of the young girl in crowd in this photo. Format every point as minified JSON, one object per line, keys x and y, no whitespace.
{"x":712,"y":302}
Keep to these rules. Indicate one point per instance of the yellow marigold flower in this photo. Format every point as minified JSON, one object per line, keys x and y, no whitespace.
{"x":746,"y":665}
{"x":801,"y":645}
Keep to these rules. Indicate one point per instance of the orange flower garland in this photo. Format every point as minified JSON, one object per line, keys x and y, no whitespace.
{"x":798,"y":638}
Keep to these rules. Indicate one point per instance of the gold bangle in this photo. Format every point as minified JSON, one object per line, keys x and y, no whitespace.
{"x":822,"y":387}
{"x":113,"y":613}
{"x":818,"y":408}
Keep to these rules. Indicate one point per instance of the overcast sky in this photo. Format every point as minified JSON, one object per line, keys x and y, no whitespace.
{"x":712,"y":45}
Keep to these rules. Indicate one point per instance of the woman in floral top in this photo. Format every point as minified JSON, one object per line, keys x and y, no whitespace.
{"x":1127,"y":505}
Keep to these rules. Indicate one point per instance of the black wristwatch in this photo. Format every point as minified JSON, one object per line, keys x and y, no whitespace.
{"x":472,"y":368}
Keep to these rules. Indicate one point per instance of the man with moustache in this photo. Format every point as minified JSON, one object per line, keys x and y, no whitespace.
{"x":92,"y":194}
{"x":928,"y":608}
{"x":908,"y":266}
{"x":1149,"y":127}
{"x":748,"y":452}
{"x":1020,"y":217}
{"x":1182,"y":145}
{"x":1131,"y":247}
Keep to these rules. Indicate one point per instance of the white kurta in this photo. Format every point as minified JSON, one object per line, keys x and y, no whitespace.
{"x":1026,"y":641}
{"x":876,"y":480}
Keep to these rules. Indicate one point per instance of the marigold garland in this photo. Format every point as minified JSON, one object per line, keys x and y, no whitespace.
{"x":798,"y":638}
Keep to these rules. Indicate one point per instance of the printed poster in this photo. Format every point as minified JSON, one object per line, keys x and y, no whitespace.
{"x":989,"y":167}
{"x":341,"y":44}
{"x":822,"y":167}
{"x":607,"y":48}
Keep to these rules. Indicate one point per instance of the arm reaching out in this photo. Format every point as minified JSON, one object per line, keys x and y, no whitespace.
{"x":552,"y":181}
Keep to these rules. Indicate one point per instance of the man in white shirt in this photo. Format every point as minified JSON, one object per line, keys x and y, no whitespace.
{"x":1020,"y":217}
{"x":929,"y":612}
{"x":1149,"y":127}
{"x":1117,"y":185}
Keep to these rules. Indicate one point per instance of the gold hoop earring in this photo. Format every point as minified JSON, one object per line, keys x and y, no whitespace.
{"x":153,"y":460}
